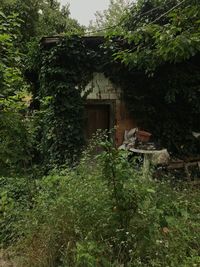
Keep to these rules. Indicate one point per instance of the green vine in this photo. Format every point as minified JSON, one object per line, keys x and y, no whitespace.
{"x":166,"y":104}
{"x":62,"y":78}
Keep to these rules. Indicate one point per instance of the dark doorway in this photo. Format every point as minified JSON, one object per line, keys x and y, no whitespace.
{"x":97,"y":117}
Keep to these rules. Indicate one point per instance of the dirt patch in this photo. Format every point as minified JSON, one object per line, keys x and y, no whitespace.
{"x":5,"y":260}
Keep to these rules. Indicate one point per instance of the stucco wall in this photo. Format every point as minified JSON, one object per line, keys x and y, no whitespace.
{"x":101,"y":88}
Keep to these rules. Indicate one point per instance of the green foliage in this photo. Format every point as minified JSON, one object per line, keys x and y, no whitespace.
{"x":165,"y":102}
{"x":149,"y":99}
{"x":101,"y":212}
{"x":11,"y":78}
{"x":161,"y":82}
{"x":16,"y":30}
{"x":15,"y":139}
{"x":105,"y":213}
{"x":27,"y":11}
{"x":55,"y":20}
{"x":15,"y":200}
{"x":23,"y":22}
{"x":14,"y":136}
{"x":161,"y":32}
{"x":148,"y":40}
{"x":62,"y":106}
{"x":40,"y":18}
{"x":111,"y":19}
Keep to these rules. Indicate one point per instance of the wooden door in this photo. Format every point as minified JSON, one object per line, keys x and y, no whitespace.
{"x":97,"y":117}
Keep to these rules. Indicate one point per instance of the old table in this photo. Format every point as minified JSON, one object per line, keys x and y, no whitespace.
{"x":148,"y":154}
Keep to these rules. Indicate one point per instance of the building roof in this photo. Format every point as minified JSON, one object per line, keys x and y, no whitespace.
{"x":90,"y":41}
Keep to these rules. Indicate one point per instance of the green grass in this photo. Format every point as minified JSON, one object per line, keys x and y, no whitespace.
{"x":100,"y":213}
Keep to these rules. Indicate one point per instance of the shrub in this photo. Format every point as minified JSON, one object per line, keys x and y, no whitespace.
{"x":16,"y":199}
{"x":104,"y":213}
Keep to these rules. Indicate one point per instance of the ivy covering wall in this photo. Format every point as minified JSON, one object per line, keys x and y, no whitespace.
{"x":167,"y":103}
{"x":62,"y":76}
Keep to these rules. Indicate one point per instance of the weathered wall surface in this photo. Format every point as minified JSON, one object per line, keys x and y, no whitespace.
{"x":101,"y":88}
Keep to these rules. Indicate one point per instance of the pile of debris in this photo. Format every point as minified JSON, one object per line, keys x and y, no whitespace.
{"x":139,"y":142}
{"x":138,"y":139}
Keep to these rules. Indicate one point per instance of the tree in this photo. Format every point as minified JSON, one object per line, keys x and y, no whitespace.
{"x":160,"y":31}
{"x":11,"y":78}
{"x":110,"y":18}
{"x":13,"y":132}
{"x":55,"y":20}
{"x":27,"y":11}
{"x":163,"y":45}
{"x":22,"y":24}
{"x":40,"y":18}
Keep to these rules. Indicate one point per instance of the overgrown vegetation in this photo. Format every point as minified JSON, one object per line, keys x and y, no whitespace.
{"x":173,"y":87}
{"x":110,"y":20}
{"x":19,"y":125}
{"x":162,"y":55}
{"x":61,"y":83}
{"x":107,"y":215}
{"x":14,"y":137}
{"x":157,"y":70}
{"x":40,"y":18}
{"x":96,"y":210}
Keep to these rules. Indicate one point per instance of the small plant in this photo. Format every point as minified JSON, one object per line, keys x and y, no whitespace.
{"x":16,"y":200}
{"x":102,"y":213}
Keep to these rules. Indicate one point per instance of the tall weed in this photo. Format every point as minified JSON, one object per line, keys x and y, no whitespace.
{"x":104,"y":213}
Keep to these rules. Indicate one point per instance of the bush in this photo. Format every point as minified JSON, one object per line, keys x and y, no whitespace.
{"x":16,"y":199}
{"x":14,"y":142}
{"x":104,"y":213}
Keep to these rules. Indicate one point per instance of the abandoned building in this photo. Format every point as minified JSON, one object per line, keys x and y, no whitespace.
{"x":114,"y":101}
{"x":104,"y":107}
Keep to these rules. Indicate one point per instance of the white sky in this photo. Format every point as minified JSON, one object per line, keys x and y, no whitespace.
{"x":83,"y":10}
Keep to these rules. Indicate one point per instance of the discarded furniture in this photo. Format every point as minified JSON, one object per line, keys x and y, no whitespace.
{"x":156,"y":157}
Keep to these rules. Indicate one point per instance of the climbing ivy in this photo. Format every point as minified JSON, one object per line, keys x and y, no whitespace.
{"x":161,"y":87}
{"x":167,"y":104}
{"x":62,"y":77}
